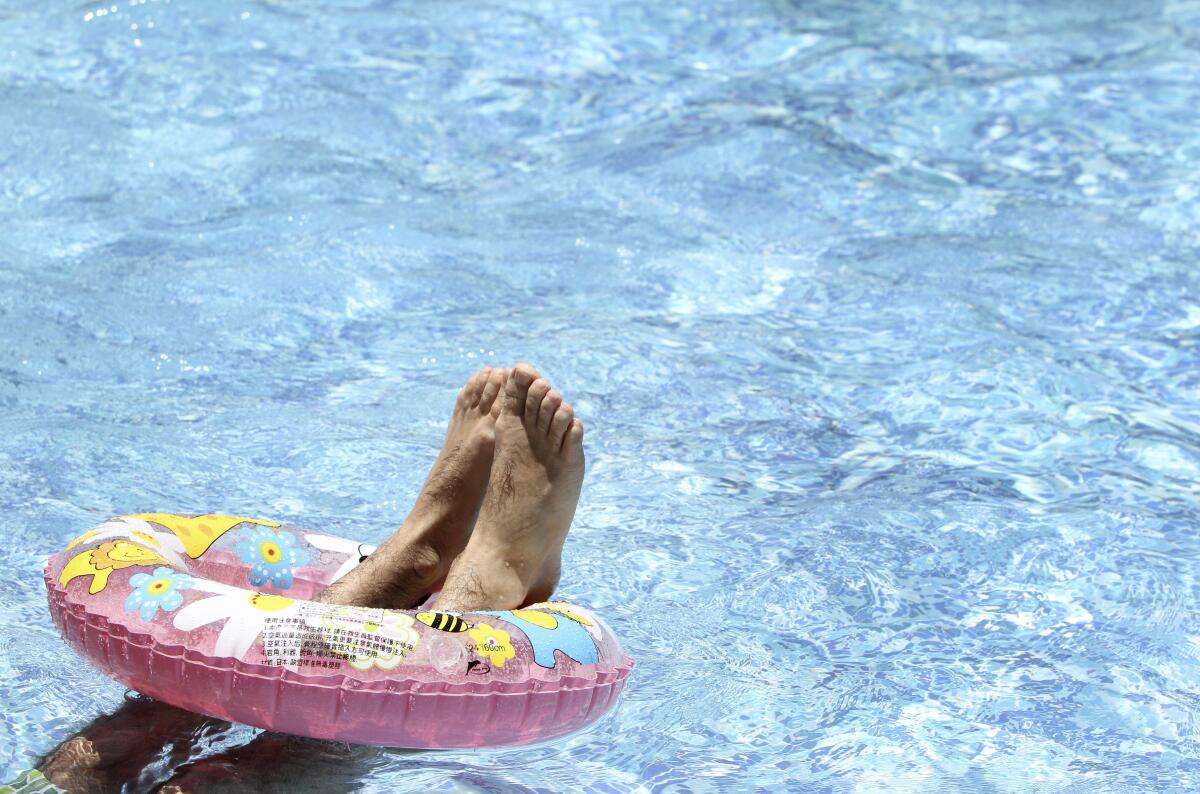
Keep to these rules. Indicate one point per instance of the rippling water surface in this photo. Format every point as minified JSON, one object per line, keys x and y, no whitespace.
{"x":883,"y":320}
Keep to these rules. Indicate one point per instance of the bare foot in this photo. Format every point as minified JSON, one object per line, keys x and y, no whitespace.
{"x":513,"y":556}
{"x":415,"y":559}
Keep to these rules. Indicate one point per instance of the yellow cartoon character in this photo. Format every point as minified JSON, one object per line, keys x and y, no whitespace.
{"x":99,"y":563}
{"x":200,"y":532}
{"x":492,"y":643}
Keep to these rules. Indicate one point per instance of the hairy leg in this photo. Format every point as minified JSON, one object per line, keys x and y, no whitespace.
{"x":415,"y":559}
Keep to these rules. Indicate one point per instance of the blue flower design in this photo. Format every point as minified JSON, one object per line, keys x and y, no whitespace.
{"x":271,"y":555}
{"x":158,"y":590}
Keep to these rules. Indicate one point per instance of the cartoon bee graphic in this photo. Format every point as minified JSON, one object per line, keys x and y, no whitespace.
{"x":443,"y":621}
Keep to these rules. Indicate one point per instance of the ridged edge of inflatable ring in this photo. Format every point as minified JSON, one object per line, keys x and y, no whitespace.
{"x":75,"y":609}
{"x":150,"y":600}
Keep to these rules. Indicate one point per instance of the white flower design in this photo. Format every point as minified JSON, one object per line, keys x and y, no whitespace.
{"x":342,"y":546}
{"x":245,"y":614}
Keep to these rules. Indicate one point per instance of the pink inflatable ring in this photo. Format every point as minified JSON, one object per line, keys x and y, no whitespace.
{"x":208,"y":613}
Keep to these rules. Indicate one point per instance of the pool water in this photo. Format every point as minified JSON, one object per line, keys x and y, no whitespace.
{"x":884,"y":320}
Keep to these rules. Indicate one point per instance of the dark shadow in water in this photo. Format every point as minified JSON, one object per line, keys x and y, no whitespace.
{"x":145,"y":746}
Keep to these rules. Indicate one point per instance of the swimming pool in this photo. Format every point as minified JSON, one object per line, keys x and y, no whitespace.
{"x":883,"y":320}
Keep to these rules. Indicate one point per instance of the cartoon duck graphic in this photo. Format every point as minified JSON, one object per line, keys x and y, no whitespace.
{"x":99,"y":563}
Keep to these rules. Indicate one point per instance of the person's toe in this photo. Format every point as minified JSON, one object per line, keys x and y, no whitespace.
{"x":560,"y":423}
{"x":533,"y":402}
{"x":469,"y":395}
{"x":517,"y":389}
{"x":572,"y":445}
{"x":491,"y":388}
{"x":524,"y":375}
{"x":550,"y":404}
{"x":498,"y":402}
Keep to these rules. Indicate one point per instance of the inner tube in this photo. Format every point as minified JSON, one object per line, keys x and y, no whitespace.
{"x":210,"y":613}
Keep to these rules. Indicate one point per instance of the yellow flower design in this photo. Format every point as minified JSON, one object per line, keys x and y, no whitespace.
{"x":492,"y":643}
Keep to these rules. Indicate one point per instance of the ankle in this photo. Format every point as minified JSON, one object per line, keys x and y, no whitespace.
{"x":429,"y":541}
{"x":476,"y":583}
{"x":395,"y":578}
{"x":424,"y":565}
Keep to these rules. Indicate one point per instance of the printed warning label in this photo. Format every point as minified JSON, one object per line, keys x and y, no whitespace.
{"x":324,"y":636}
